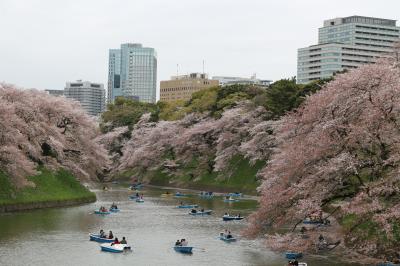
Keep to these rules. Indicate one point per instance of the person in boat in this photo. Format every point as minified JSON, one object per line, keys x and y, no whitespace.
{"x":137,"y":195}
{"x":110,"y":235}
{"x":115,"y":242}
{"x":238,"y":215}
{"x":181,"y":203}
{"x":229,"y":235}
{"x":303,"y":229}
{"x":177,"y":243}
{"x":102,"y":234}
{"x":184,"y":243}
{"x":202,"y":210}
{"x":114,"y":206}
{"x":226,"y":214}
{"x":193,"y":211}
{"x":123,"y":241}
{"x":221,"y":234}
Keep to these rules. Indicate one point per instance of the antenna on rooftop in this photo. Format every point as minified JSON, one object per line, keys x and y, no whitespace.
{"x":177,"y":72}
{"x":203,"y":66}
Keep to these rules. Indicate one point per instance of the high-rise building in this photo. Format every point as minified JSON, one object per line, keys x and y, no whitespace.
{"x":253,"y":80}
{"x":56,"y":93}
{"x":181,"y":87}
{"x":132,"y":73}
{"x":90,"y":95}
{"x":346,"y":43}
{"x":114,"y":74}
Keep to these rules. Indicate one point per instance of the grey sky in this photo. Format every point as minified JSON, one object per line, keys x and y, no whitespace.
{"x":44,"y":43}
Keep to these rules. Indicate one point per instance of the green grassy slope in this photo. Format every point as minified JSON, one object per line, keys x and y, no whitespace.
{"x":50,"y":186}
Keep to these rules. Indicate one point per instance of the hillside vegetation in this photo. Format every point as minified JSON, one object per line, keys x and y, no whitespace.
{"x":218,"y":139}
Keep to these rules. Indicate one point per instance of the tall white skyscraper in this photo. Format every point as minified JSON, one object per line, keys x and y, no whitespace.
{"x":90,"y":95}
{"x":345,"y":43}
{"x":132,"y":73}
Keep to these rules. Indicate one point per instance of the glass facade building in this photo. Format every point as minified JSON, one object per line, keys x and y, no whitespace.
{"x":345,"y":43}
{"x":133,"y":73}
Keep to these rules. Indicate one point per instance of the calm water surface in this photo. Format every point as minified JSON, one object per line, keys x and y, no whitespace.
{"x":60,"y":236}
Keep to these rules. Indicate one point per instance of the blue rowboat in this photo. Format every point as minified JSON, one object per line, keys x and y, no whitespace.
{"x":231,"y":200}
{"x":178,"y":195}
{"x":208,"y":212}
{"x":206,"y":195}
{"x":116,"y":248}
{"x":187,"y":206}
{"x":114,"y":210}
{"x":387,"y":264}
{"x":231,"y":218}
{"x":140,"y":200}
{"x":133,"y":197}
{"x":102,"y":213}
{"x":226,"y":239}
{"x":183,"y":249}
{"x":235,"y":194}
{"x":293,"y":255}
{"x":312,"y":222}
{"x":97,"y":238}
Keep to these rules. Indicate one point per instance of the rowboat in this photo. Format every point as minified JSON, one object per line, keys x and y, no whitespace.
{"x":206,"y":195}
{"x":290,"y":255}
{"x":114,"y":248}
{"x":133,"y":197}
{"x":234,"y":194}
{"x":114,"y":210}
{"x":178,"y":194}
{"x":226,"y":239}
{"x":183,"y":249}
{"x":231,"y":218}
{"x":140,"y":200}
{"x":308,"y":221}
{"x":166,"y":195}
{"x":102,"y":213}
{"x":97,"y":238}
{"x":187,"y":206}
{"x":207,"y":212}
{"x":230,"y":199}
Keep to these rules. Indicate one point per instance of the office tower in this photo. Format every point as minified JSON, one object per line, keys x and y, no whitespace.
{"x":132,"y":73}
{"x":346,"y":43}
{"x":90,"y":95}
{"x":181,"y":87}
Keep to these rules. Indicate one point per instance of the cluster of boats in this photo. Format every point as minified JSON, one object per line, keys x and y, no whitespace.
{"x":110,"y":244}
{"x":104,"y":211}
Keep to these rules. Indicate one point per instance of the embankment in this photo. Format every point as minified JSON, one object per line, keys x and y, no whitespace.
{"x":52,"y":189}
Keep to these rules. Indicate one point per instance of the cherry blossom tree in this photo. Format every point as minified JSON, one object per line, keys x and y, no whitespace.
{"x":212,"y":142}
{"x":338,"y":154}
{"x":39,"y":129}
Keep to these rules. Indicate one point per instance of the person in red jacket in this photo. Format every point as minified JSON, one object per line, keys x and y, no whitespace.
{"x":115,"y":241}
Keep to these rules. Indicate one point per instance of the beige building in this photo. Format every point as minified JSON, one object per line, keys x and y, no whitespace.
{"x":181,"y":87}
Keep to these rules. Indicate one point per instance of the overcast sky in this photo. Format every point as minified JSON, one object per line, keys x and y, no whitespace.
{"x":45,"y":43}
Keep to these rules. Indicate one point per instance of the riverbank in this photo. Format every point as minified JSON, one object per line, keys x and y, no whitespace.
{"x":240,"y":176}
{"x":52,"y":189}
